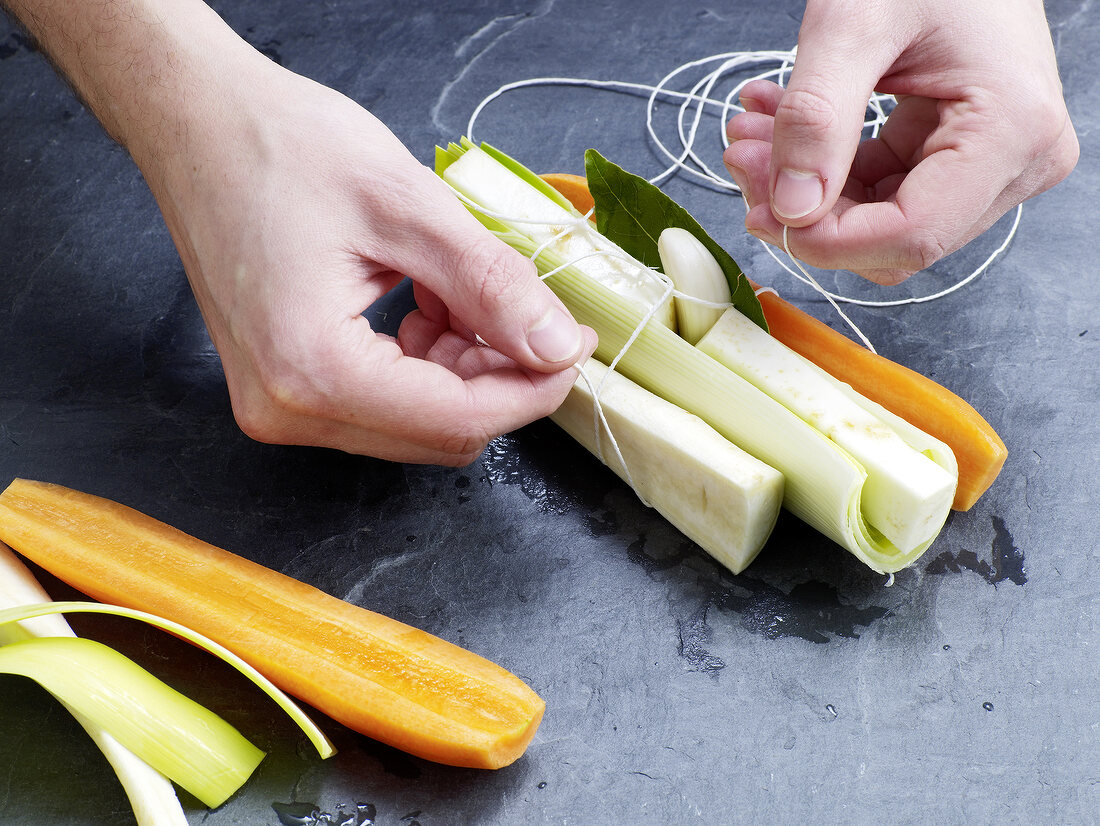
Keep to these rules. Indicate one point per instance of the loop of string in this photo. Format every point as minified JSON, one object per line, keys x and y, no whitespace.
{"x":769,"y":64}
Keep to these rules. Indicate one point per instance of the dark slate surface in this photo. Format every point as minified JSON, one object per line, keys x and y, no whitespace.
{"x":802,"y":690}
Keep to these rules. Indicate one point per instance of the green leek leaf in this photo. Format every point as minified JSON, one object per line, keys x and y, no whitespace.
{"x":176,"y":736}
{"x":316,"y":736}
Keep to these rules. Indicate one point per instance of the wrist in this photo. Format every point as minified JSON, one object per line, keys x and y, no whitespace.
{"x":151,"y":71}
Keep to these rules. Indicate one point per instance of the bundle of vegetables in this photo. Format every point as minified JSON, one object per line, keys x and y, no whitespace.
{"x":375,"y":675}
{"x":864,"y":476}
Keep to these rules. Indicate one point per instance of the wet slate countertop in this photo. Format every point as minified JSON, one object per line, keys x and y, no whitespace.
{"x":803,"y":690}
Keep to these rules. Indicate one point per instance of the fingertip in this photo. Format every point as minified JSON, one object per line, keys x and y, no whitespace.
{"x":591,"y":342}
{"x":797,"y":195}
{"x":885,"y":278}
{"x":750,"y":126}
{"x":555,"y":339}
{"x":761,"y":224}
{"x":747,"y":162}
{"x":760,"y":96}
{"x":751,"y":104}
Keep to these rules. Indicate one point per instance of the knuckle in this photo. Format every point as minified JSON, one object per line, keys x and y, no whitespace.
{"x":464,"y":444}
{"x":1064,"y":155}
{"x":275,"y":397}
{"x":808,"y":111}
{"x":924,"y":249}
{"x":1049,"y":140}
{"x":1047,"y":120}
{"x":496,"y":269}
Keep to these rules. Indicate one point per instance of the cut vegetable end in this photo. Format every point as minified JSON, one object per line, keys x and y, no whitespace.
{"x":907,"y":495}
{"x":713,"y":492}
{"x":980,"y":452}
{"x":824,"y":484}
{"x":373,"y":674}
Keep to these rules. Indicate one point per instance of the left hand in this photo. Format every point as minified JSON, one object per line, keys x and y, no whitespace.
{"x":980,"y":126}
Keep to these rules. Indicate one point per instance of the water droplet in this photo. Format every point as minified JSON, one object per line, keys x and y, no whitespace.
{"x":829,"y":707}
{"x":542,"y":785}
{"x":987,"y":706}
{"x":297,"y":814}
{"x":946,"y":647}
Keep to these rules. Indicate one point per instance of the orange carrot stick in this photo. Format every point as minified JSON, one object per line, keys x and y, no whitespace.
{"x":922,"y":402}
{"x":375,"y":675}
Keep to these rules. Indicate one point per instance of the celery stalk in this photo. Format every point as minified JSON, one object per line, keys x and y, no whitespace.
{"x":825,"y":485}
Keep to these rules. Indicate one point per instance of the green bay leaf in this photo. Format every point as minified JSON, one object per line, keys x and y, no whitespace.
{"x":632,"y":212}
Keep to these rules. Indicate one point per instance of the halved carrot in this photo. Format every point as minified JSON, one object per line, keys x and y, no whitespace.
{"x":922,"y":402}
{"x":374,"y":674}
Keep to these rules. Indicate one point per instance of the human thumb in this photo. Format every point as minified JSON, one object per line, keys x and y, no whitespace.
{"x":819,"y":119}
{"x":496,"y":293}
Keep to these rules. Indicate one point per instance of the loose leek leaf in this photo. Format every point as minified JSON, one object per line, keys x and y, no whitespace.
{"x":633,"y":213}
{"x":151,"y":794}
{"x":176,"y":736}
{"x":315,"y":735}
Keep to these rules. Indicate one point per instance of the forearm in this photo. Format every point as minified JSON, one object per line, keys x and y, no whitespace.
{"x":147,"y":69}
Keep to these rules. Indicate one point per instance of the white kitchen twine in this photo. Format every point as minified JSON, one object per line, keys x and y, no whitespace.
{"x":736,"y":67}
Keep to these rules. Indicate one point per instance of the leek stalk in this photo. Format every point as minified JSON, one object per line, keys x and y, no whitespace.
{"x":825,"y":484}
{"x":561,"y":230}
{"x":716,"y":494}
